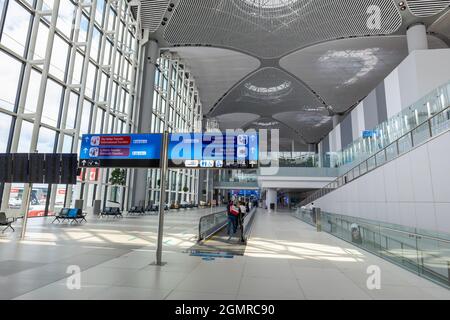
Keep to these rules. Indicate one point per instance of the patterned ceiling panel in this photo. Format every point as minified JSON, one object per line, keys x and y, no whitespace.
{"x":152,"y":13}
{"x":427,"y":8}
{"x":287,"y":25}
{"x":442,"y":26}
{"x":312,"y":123}
{"x":271,"y":91}
{"x":216,"y":70}
{"x":345,"y":71}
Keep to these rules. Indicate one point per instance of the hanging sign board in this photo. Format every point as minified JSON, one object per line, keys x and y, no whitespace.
{"x":213,"y":150}
{"x":120,"y":151}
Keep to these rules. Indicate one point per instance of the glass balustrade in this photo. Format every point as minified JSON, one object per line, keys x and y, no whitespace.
{"x":394,"y":128}
{"x":428,"y":128}
{"x":423,"y":252}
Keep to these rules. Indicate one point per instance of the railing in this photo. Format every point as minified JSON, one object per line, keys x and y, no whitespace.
{"x":432,"y":127}
{"x":424,"y":253}
{"x":390,"y":130}
{"x":248,"y":223}
{"x":211,"y":224}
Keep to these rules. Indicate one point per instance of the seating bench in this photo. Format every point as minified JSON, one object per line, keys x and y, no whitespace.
{"x":110,"y":211}
{"x":72,"y":215}
{"x":137,"y":210}
{"x":5,"y":221}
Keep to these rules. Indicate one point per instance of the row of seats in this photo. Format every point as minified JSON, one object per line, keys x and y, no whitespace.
{"x":111,"y":212}
{"x":72,"y":215}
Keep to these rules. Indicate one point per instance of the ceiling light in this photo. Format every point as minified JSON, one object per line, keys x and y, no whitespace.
{"x":270,"y":4}
{"x":367,"y":57}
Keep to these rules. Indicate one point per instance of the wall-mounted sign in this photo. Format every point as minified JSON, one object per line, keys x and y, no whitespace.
{"x":213,"y":150}
{"x":49,"y":168}
{"x":370,"y":134}
{"x":121,"y":150}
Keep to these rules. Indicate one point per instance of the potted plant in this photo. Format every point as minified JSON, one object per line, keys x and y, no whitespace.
{"x":185,"y":189}
{"x":118,"y":179}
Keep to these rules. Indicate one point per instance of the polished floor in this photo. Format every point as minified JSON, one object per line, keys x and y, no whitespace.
{"x":284,"y":259}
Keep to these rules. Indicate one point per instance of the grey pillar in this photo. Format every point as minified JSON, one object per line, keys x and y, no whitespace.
{"x":145,"y":115}
{"x":416,"y":36}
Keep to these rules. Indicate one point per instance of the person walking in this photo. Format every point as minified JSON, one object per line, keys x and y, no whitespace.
{"x":233,"y":213}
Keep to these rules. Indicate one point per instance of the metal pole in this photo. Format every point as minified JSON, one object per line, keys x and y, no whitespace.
{"x":162,"y":200}
{"x":27,"y":208}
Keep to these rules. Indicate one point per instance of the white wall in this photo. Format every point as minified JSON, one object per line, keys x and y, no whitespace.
{"x":412,"y":190}
{"x":393,"y":99}
{"x":421,"y":72}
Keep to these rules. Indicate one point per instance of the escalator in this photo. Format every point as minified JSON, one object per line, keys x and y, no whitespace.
{"x":213,"y":238}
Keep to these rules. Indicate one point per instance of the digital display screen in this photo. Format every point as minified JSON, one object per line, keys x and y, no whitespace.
{"x":121,"y":150}
{"x":213,"y":150}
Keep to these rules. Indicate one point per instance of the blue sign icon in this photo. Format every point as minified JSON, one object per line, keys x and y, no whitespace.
{"x":214,"y":150}
{"x":370,"y":134}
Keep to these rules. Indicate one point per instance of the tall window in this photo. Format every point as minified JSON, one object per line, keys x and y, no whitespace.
{"x":175,"y":109}
{"x":68,"y":88}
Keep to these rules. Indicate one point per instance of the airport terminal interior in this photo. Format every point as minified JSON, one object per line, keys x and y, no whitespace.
{"x":224,"y":150}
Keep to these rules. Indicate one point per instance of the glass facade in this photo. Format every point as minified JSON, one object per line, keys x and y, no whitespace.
{"x":70,"y":68}
{"x":176,"y":108}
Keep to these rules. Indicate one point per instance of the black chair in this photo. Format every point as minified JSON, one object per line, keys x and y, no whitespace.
{"x":62,"y":215}
{"x":67,"y":214}
{"x":148,"y":209}
{"x":133,"y":210}
{"x":109,"y":211}
{"x":4,"y":221}
{"x":106,"y":212}
{"x":79,"y":217}
{"x":137,"y":210}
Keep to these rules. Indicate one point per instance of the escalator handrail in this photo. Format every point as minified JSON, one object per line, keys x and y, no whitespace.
{"x":213,"y":230}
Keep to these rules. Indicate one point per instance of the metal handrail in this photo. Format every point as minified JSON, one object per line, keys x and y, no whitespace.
{"x":248,"y":222}
{"x":409,"y":233}
{"x":210,"y":232}
{"x":204,"y":235}
{"x":343,"y":179}
{"x":377,"y":229}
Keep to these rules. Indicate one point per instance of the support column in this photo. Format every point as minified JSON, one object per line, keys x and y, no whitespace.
{"x":145,"y":115}
{"x":271,"y":197}
{"x":416,"y":36}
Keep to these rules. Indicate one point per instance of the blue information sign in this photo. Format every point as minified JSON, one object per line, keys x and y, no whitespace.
{"x":213,"y":150}
{"x":121,"y":150}
{"x":370,"y":134}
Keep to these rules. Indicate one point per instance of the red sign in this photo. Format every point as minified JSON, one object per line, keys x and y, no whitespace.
{"x":93,"y":174}
{"x":114,"y":152}
{"x":115,"y":140}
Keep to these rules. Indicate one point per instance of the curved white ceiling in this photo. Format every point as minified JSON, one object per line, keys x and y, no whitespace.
{"x":442,"y":25}
{"x":427,"y":8}
{"x":216,"y":70}
{"x":236,"y":120}
{"x":345,"y":71}
{"x":266,"y":92}
{"x":311,"y":123}
{"x":280,"y":62}
{"x":273,"y":31}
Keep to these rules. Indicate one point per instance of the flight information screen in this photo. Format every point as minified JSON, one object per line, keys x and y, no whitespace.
{"x":213,"y":150}
{"x":121,"y":150}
